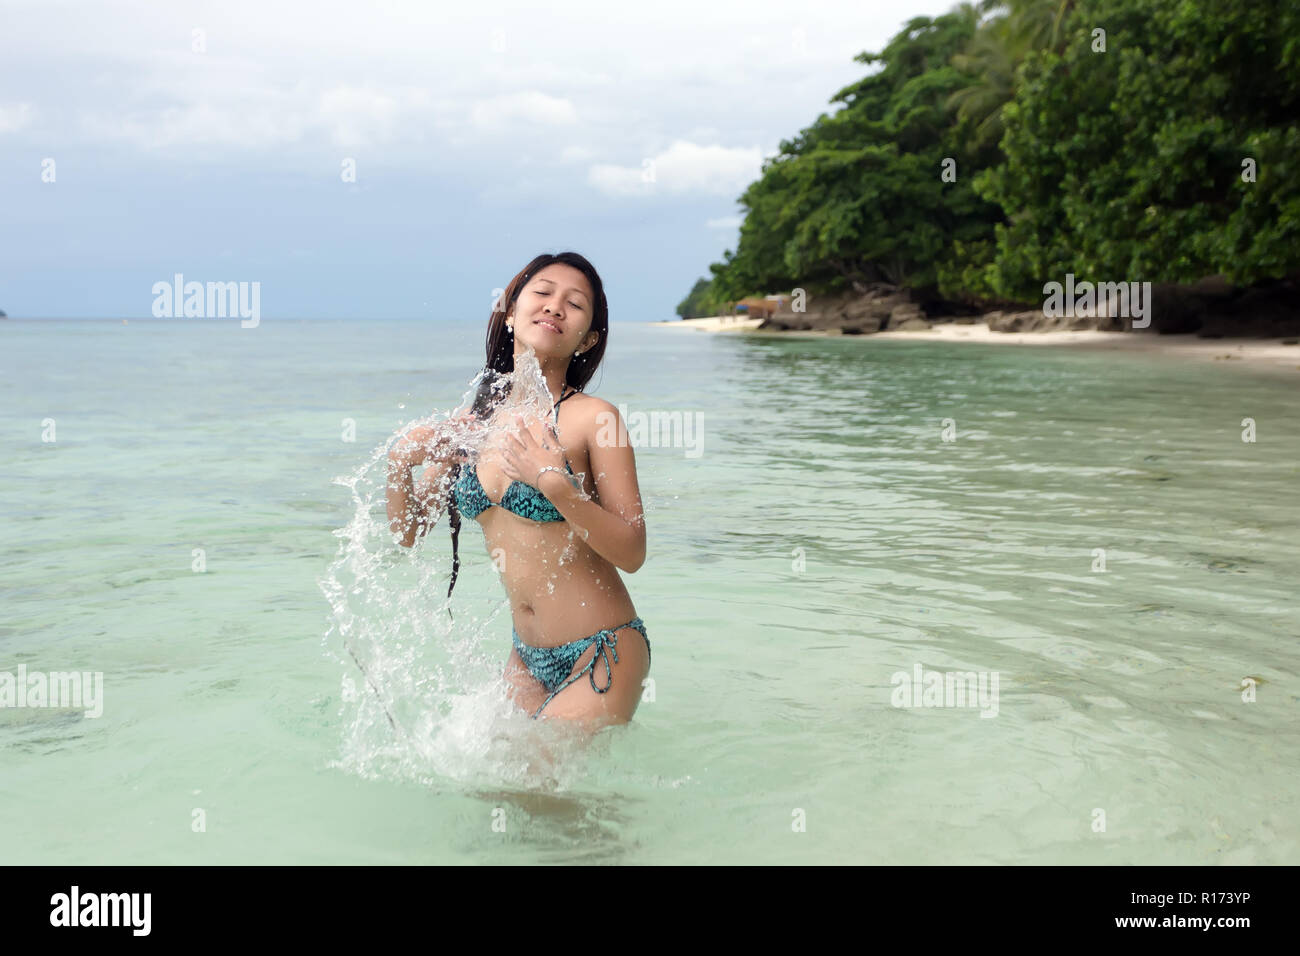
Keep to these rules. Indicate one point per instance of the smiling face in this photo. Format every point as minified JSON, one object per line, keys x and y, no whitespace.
{"x":554,"y":313}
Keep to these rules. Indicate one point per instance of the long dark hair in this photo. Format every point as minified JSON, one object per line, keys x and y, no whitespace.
{"x":501,"y":360}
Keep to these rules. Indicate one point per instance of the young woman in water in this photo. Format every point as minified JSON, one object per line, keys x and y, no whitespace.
{"x":559,"y":545}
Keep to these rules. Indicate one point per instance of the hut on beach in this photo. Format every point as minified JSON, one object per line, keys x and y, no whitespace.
{"x":756,"y":307}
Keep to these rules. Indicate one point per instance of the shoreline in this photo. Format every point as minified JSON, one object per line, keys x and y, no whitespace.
{"x":717,"y":323}
{"x":1254,"y":352}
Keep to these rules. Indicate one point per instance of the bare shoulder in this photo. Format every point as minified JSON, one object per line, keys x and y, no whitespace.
{"x":594,"y":412}
{"x":593,"y":405}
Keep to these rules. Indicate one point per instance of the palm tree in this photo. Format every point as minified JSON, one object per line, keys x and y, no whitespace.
{"x":1008,"y":30}
{"x":1038,"y":24}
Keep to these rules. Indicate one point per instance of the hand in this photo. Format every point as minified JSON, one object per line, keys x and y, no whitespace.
{"x":426,"y":442}
{"x":530,"y":450}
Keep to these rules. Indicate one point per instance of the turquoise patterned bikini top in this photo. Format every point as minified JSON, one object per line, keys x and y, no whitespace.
{"x":521,"y":499}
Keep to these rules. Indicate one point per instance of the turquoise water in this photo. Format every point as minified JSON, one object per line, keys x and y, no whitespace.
{"x":825,"y":538}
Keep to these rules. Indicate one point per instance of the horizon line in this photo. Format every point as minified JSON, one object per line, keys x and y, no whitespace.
{"x":235,"y":318}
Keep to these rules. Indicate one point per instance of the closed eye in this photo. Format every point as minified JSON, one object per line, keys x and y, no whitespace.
{"x":574,"y":304}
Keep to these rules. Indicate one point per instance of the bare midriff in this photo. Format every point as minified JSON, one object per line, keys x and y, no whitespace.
{"x":560,"y":590}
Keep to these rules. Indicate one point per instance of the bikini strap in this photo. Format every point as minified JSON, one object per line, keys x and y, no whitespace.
{"x":556,"y":408}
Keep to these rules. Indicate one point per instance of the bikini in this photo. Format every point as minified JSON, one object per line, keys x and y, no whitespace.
{"x":551,"y":666}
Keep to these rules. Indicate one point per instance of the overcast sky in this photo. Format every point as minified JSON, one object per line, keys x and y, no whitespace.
{"x":212,"y":139}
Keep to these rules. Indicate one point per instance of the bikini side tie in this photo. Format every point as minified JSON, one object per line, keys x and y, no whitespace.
{"x":606,"y":642}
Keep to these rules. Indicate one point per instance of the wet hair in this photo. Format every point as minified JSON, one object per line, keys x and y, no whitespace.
{"x":501,"y":361}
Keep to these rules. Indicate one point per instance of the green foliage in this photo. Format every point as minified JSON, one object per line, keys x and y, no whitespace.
{"x":1127,"y":164}
{"x":999,"y":46}
{"x":696,"y":303}
{"x":1117,"y":165}
{"x":857,"y":197}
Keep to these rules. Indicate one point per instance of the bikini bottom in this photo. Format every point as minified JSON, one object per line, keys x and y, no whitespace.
{"x":552,"y":666}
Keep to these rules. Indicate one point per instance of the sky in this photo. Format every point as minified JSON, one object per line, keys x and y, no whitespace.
{"x":396,"y":160}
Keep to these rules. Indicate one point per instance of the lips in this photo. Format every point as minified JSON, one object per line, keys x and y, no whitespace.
{"x":547,"y":324}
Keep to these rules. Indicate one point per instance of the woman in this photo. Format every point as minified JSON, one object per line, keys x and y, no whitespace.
{"x":557,"y":545}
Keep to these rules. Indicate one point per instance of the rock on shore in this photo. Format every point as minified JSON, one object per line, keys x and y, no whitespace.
{"x":882,"y":308}
{"x":1211,"y":308}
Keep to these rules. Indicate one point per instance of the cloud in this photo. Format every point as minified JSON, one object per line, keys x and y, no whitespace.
{"x":201,"y":124}
{"x":357,"y":116}
{"x":507,"y":112}
{"x":14,"y":118}
{"x":268,"y":115}
{"x":576,"y":154}
{"x":683,"y":167}
{"x":282,"y":82}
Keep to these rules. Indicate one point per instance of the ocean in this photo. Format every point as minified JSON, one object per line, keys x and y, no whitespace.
{"x":909,"y":602}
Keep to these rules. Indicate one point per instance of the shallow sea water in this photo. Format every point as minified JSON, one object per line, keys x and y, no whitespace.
{"x":821,"y":538}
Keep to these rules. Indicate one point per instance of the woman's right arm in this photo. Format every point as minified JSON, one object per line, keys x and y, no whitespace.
{"x":409,"y":511}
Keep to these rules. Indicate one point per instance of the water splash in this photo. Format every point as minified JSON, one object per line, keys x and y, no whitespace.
{"x":421,"y":693}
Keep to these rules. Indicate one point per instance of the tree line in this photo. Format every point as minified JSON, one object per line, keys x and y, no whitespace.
{"x":1003,"y":145}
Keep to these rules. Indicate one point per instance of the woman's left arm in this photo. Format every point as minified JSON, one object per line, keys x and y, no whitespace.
{"x":615,"y":527}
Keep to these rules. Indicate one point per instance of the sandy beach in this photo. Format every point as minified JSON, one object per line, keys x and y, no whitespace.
{"x":720,"y":323}
{"x":1254,"y":352}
